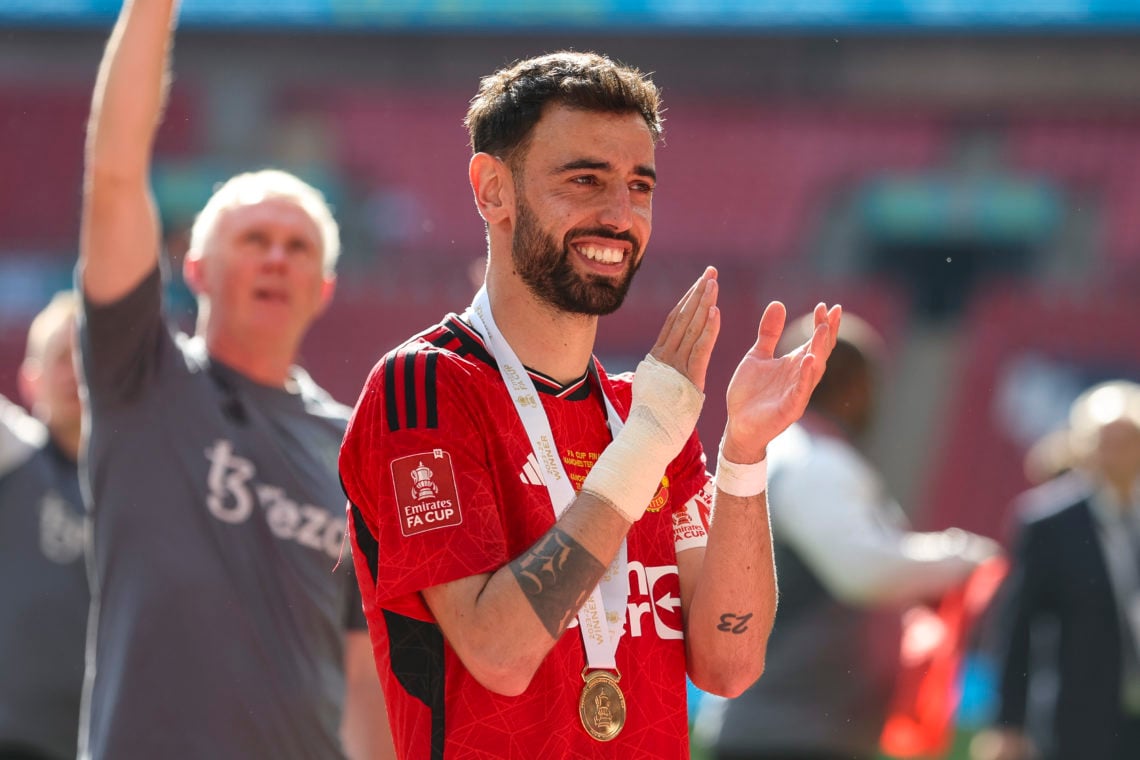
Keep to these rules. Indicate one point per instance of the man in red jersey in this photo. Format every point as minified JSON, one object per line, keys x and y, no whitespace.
{"x":534,"y":539}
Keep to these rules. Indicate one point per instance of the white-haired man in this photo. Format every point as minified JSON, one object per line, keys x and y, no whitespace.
{"x":1075,"y":582}
{"x":219,"y":627}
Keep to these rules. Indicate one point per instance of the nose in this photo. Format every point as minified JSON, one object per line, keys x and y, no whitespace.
{"x":617,"y":208}
{"x":276,"y":254}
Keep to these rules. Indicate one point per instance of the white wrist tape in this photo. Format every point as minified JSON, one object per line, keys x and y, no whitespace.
{"x":661,"y":418}
{"x":741,"y":479}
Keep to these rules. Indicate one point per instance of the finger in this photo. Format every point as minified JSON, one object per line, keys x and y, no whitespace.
{"x":795,"y":400}
{"x":671,"y":318}
{"x":701,"y":311}
{"x":681,"y":312}
{"x":821,"y":340}
{"x":702,"y":349}
{"x":811,"y":370}
{"x":834,"y":317}
{"x":771,"y":328}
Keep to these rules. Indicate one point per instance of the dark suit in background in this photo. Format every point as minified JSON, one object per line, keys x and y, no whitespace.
{"x":1060,"y":598}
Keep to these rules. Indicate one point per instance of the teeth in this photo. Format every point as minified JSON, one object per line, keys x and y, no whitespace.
{"x":604,"y":255}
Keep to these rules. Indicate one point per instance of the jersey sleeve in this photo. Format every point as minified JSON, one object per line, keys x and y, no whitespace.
{"x":121,"y":343}
{"x":416,"y":469}
{"x":692,"y":507}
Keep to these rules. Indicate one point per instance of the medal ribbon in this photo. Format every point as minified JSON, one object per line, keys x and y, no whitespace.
{"x":601,"y":618}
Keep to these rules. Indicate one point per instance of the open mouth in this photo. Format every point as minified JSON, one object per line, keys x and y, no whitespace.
{"x":265,"y":295}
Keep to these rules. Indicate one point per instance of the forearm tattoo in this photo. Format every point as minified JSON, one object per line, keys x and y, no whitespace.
{"x":556,"y":575}
{"x":730,"y":623}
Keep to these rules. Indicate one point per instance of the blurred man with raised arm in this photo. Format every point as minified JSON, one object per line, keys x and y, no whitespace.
{"x":504,"y":489}
{"x":219,"y":627}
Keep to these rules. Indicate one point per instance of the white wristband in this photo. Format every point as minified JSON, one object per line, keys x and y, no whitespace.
{"x":662,"y":417}
{"x":741,"y":479}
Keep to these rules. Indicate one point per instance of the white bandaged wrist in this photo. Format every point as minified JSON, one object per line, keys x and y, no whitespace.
{"x":662,"y":416}
{"x":741,"y":479}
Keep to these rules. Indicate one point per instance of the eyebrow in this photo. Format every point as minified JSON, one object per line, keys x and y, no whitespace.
{"x":590,"y":163}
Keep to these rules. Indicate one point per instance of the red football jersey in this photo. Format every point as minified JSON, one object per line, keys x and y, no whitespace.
{"x":443,"y":485}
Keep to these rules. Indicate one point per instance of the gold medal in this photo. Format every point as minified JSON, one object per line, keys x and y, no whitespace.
{"x":602,"y":705}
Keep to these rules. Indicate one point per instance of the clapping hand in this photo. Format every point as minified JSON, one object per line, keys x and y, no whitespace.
{"x":768,"y":393}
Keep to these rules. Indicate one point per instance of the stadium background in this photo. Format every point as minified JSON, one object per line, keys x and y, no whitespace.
{"x":963,"y":174}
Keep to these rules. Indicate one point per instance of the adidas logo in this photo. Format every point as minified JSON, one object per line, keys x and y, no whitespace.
{"x":530,"y":474}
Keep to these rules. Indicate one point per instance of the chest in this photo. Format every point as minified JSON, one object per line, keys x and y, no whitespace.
{"x":581,"y":434}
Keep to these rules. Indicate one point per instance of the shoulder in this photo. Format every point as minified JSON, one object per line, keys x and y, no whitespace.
{"x":796,"y":450}
{"x":441,"y":366}
{"x":319,"y":402}
{"x":439,"y":351}
{"x":1055,"y":502}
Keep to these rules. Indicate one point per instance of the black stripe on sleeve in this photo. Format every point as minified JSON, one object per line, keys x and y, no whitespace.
{"x":410,"y":398}
{"x":430,"y":401}
{"x":366,"y":542}
{"x":391,"y":408}
{"x":410,"y":390}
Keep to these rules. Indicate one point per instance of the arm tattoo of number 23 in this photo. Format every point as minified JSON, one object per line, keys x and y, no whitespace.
{"x":730,"y":623}
{"x":556,"y":575}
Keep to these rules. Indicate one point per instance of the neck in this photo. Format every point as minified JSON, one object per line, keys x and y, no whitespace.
{"x":1124,"y":489}
{"x":66,"y":438}
{"x":252,"y":359}
{"x":557,"y":344}
{"x":821,"y":421}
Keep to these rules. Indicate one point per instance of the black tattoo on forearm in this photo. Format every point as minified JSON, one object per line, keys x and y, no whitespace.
{"x":730,"y":623}
{"x":556,"y":575}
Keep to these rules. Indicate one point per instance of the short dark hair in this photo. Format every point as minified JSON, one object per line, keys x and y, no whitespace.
{"x":510,"y":102}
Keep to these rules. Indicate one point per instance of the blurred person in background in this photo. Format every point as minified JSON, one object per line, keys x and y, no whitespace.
{"x":848,"y":567}
{"x":1067,"y":619}
{"x":504,"y":488}
{"x":220,"y":627}
{"x":20,"y":433}
{"x":43,"y":579}
{"x":1048,"y":458}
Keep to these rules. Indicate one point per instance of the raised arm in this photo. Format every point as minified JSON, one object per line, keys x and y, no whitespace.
{"x":503,"y":624}
{"x":728,"y":588}
{"x":831,"y":514}
{"x":119,"y":237}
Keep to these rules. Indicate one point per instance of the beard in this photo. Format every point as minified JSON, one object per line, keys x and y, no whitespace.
{"x":548,"y":272}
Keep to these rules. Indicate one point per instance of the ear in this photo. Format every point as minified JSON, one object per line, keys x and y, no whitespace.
{"x":328,"y":288}
{"x":193,"y":272}
{"x":493,"y":186}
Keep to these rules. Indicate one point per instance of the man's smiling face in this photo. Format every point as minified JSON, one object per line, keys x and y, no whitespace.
{"x":584,"y":208}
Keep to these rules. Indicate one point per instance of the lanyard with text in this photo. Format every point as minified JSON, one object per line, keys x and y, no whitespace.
{"x":601,"y":618}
